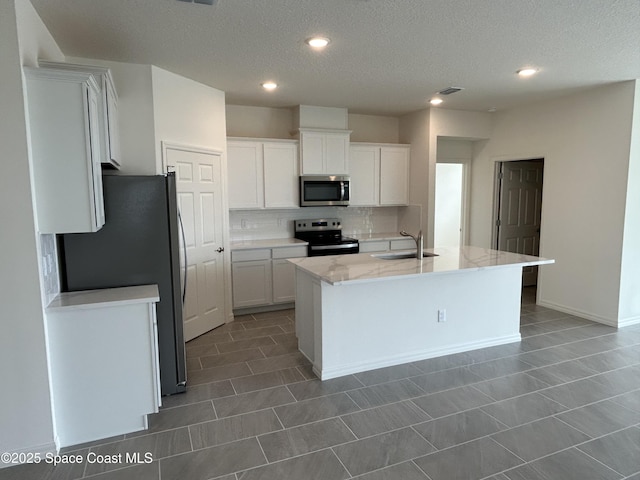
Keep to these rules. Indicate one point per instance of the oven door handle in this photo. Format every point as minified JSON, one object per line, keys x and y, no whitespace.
{"x":334,"y":247}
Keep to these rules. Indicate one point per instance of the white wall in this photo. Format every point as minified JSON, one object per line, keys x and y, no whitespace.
{"x":414,"y":129}
{"x":135,"y":117}
{"x":259,"y":122}
{"x":422,"y":130}
{"x":629,"y":310}
{"x":25,"y":410}
{"x":585,"y":141}
{"x":135,"y":114}
{"x":187,"y":112}
{"x":264,"y":122}
{"x":374,"y":128}
{"x":454,"y":151}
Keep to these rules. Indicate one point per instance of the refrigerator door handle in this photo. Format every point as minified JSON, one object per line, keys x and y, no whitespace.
{"x":184,"y":249}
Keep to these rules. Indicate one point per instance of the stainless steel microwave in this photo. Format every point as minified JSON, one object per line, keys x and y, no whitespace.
{"x":324,"y":190}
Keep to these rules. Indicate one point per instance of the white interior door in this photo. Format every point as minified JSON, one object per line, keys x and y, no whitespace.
{"x":519,"y":212}
{"x":199,"y":189}
{"x":449,"y":204}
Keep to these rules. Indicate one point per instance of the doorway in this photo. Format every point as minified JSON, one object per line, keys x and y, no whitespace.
{"x":518,"y":210}
{"x":449,"y":200}
{"x":199,"y":189}
{"x":452,"y":184}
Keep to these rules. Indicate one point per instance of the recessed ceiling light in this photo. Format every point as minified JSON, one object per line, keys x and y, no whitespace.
{"x":317,"y":42}
{"x":435,"y":101}
{"x":527,"y":72}
{"x":269,"y":85}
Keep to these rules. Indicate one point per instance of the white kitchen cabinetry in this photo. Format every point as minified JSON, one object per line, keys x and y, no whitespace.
{"x":370,"y":246}
{"x":394,"y":175}
{"x":364,"y":163}
{"x":262,"y":173}
{"x":245,"y":174}
{"x":281,"y":188}
{"x":251,"y":273}
{"x":324,"y":152}
{"x":379,"y":174}
{"x":63,"y":117}
{"x":263,"y":277}
{"x":107,"y":107}
{"x":102,"y":348}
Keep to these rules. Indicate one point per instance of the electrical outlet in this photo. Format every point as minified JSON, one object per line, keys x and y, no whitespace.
{"x":442,"y":315}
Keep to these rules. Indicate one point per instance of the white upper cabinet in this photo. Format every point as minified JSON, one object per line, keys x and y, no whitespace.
{"x":394,"y":175}
{"x":262,"y":173}
{"x":379,"y":174}
{"x":63,"y":118}
{"x":324,"y":152}
{"x":107,"y":109}
{"x":364,"y":165}
{"x":245,"y":174}
{"x":281,"y":175}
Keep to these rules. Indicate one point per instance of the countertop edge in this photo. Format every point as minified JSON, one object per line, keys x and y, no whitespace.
{"x":267,"y":243}
{"x":445,"y":272}
{"x":375,"y":275}
{"x":105,"y":297}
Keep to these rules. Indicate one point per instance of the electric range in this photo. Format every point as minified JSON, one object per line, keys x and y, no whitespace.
{"x":325,"y":237}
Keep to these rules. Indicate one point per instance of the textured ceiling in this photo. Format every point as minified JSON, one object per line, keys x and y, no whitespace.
{"x":385,"y":57}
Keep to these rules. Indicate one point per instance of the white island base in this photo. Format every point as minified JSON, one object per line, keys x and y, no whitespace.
{"x":354,"y":325}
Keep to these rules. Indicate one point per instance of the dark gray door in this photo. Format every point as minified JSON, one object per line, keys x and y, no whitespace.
{"x":519,"y":212}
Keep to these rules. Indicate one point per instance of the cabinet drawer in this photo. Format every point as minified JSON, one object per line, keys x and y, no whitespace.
{"x":248,"y":255}
{"x":403,"y":244}
{"x":377,"y":246}
{"x":290,"y":252}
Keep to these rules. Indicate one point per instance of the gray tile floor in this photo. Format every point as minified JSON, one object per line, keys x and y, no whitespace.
{"x":562,"y":404}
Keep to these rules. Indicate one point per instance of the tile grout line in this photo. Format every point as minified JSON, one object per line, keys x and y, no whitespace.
{"x":410,"y":399}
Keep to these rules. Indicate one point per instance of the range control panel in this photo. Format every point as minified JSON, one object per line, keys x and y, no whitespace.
{"x":319,"y":224}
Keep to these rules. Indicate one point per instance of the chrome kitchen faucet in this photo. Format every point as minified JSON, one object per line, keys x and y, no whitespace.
{"x":419,"y":243}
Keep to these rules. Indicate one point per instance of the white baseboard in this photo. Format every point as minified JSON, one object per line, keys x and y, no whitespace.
{"x":32,"y":452}
{"x":627,"y":322}
{"x":612,"y":322}
{"x":328,"y":373}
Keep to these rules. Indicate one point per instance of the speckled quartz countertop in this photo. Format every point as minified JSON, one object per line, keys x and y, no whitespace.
{"x":104,"y":297}
{"x":270,"y":243}
{"x":366,"y":267}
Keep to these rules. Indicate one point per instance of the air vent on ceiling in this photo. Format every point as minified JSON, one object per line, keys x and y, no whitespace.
{"x":450,"y":90}
{"x":202,"y":2}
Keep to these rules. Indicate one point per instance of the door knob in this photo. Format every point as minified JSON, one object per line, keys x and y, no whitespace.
{"x":219,"y":250}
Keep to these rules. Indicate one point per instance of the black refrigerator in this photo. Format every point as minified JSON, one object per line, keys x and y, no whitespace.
{"x":138,"y":245}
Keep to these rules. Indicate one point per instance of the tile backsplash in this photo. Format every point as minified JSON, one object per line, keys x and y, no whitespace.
{"x":49,"y":276}
{"x":247,"y":225}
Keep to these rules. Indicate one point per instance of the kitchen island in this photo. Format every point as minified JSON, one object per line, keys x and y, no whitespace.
{"x":361,"y":312}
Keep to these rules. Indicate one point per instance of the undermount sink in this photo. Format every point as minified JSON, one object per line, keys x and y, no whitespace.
{"x":401,"y":255}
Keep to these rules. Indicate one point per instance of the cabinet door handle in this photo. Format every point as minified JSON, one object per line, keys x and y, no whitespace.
{"x":220,"y":249}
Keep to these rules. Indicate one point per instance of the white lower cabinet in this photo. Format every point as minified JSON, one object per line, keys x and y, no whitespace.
{"x":373,"y":246}
{"x":102,"y":347}
{"x":263,"y":277}
{"x":251,"y":283}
